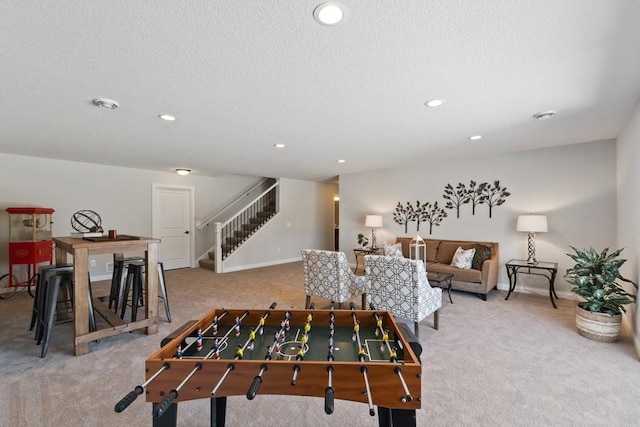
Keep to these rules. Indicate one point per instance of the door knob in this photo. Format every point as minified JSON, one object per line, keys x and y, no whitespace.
{"x":186,"y":232}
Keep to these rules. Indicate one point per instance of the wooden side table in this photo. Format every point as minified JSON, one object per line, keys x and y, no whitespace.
{"x":441,"y":280}
{"x":361,"y":252}
{"x":548,"y":270}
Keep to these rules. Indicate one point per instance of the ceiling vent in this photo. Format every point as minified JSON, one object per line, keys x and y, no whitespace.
{"x":106,"y":103}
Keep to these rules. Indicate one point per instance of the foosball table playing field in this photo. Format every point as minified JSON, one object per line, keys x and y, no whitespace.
{"x":354,"y":355}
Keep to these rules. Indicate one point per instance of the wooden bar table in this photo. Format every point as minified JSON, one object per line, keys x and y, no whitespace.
{"x":80,"y":249}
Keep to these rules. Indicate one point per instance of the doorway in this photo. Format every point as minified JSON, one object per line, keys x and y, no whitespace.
{"x":172,"y":222}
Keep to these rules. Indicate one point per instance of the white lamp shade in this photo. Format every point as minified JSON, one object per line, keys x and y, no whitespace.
{"x":532,"y":223}
{"x":373,"y":221}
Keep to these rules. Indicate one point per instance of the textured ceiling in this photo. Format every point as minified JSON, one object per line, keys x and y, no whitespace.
{"x":241,"y":76}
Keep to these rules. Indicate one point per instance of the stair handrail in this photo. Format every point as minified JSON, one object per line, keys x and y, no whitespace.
{"x":265,"y":192}
{"x":244,"y":193}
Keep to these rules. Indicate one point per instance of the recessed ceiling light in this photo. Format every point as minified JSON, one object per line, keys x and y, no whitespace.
{"x":341,"y":160}
{"x":329,"y":13}
{"x":183,"y":171}
{"x":475,"y":137}
{"x":109,"y":104}
{"x":167,"y":117}
{"x":434,"y":102}
{"x":279,"y":145}
{"x":544,"y":115}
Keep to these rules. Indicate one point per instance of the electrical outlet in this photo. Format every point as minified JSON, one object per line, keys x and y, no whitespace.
{"x":93,"y":263}
{"x":109,"y":267}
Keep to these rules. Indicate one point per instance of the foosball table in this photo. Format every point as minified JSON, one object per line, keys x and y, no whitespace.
{"x":354,"y":355}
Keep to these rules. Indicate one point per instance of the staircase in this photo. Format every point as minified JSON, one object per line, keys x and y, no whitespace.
{"x":234,"y":232}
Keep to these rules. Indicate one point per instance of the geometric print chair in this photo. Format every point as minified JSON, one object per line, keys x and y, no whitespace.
{"x":400,"y":286}
{"x":328,"y":275}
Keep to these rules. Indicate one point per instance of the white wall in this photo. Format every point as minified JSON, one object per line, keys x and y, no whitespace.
{"x":305,"y":220}
{"x":122,"y":196}
{"x":574,"y":185}
{"x":629,"y":209}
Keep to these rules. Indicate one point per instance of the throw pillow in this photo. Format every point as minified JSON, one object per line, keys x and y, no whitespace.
{"x":462,"y":259}
{"x":483,"y":253}
{"x":392,"y":250}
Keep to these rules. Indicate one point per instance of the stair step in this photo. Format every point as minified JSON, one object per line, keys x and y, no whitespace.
{"x":209,"y":264}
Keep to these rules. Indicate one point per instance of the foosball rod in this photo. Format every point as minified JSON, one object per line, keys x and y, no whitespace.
{"x":407,"y":397}
{"x":381,"y":329}
{"x":230,"y":368}
{"x":329,"y":393}
{"x":161,"y":407}
{"x":264,"y":317}
{"x":356,"y":327}
{"x":364,"y":370}
{"x":133,"y":395}
{"x":296,"y":369}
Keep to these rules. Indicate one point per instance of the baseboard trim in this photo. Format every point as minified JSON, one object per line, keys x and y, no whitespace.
{"x":261,"y":264}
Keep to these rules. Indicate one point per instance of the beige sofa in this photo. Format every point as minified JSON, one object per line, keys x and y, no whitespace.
{"x":480,"y":280}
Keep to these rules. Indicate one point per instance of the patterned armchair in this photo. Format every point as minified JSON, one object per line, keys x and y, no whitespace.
{"x":400,"y":285}
{"x":328,"y":275}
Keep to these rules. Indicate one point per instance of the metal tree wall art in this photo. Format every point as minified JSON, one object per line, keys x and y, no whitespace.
{"x":474,"y":192}
{"x":403,"y":215}
{"x":434,"y":215}
{"x":456,"y":197}
{"x":421,"y":213}
{"x":494,"y":195}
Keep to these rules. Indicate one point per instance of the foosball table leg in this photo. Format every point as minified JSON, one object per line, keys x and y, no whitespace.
{"x":218,"y":411}
{"x":168,"y":419}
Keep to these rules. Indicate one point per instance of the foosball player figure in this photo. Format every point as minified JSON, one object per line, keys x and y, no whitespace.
{"x":236,"y":326}
{"x":199,"y":340}
{"x":307,"y":327}
{"x":239,"y":352}
{"x":378,"y":326}
{"x":361,"y":353}
{"x":269,"y":355}
{"x":179,"y":352}
{"x":300,"y":353}
{"x":356,"y":329}
{"x":393,"y":355}
{"x":216,"y":355}
{"x":330,"y":353}
{"x":252,"y":337}
{"x":385,"y":339}
{"x":304,"y":338}
{"x":261,"y":325}
{"x":309,"y":317}
{"x":283,"y":335}
{"x":214,"y":325}
{"x":287,"y":324}
{"x":276,"y":347}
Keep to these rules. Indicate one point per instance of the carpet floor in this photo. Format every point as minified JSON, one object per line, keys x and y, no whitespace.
{"x":495,"y":363}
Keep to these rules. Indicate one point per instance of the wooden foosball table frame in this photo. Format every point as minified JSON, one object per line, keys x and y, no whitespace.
{"x":393,"y":386}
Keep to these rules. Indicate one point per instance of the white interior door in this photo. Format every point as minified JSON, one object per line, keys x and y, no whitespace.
{"x":172,"y":220}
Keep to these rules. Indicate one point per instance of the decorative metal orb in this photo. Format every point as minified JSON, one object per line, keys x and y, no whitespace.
{"x":86,"y":221}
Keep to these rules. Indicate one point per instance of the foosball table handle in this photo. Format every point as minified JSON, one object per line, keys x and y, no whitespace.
{"x":328,"y":400}
{"x":164,"y":405}
{"x":128,"y":399}
{"x":255,"y":386}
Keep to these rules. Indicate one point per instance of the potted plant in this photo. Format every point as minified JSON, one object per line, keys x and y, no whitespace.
{"x":363,"y":240}
{"x":594,"y":278}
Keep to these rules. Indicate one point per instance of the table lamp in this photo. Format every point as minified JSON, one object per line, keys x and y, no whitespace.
{"x":373,"y":221}
{"x":532,"y":224}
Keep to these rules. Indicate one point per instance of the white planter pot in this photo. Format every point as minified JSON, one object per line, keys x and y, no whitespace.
{"x":598,"y":326}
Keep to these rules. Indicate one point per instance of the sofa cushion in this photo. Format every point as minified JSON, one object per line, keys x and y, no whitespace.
{"x":392,"y":250}
{"x":462,"y":258}
{"x":446,"y":250}
{"x":483,"y":253}
{"x":432,"y":249}
{"x":459,"y":274}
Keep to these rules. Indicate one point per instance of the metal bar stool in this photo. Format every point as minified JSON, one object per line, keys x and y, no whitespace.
{"x":120,"y":267}
{"x":40,"y":291}
{"x":49,"y":291}
{"x":134,"y":285}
